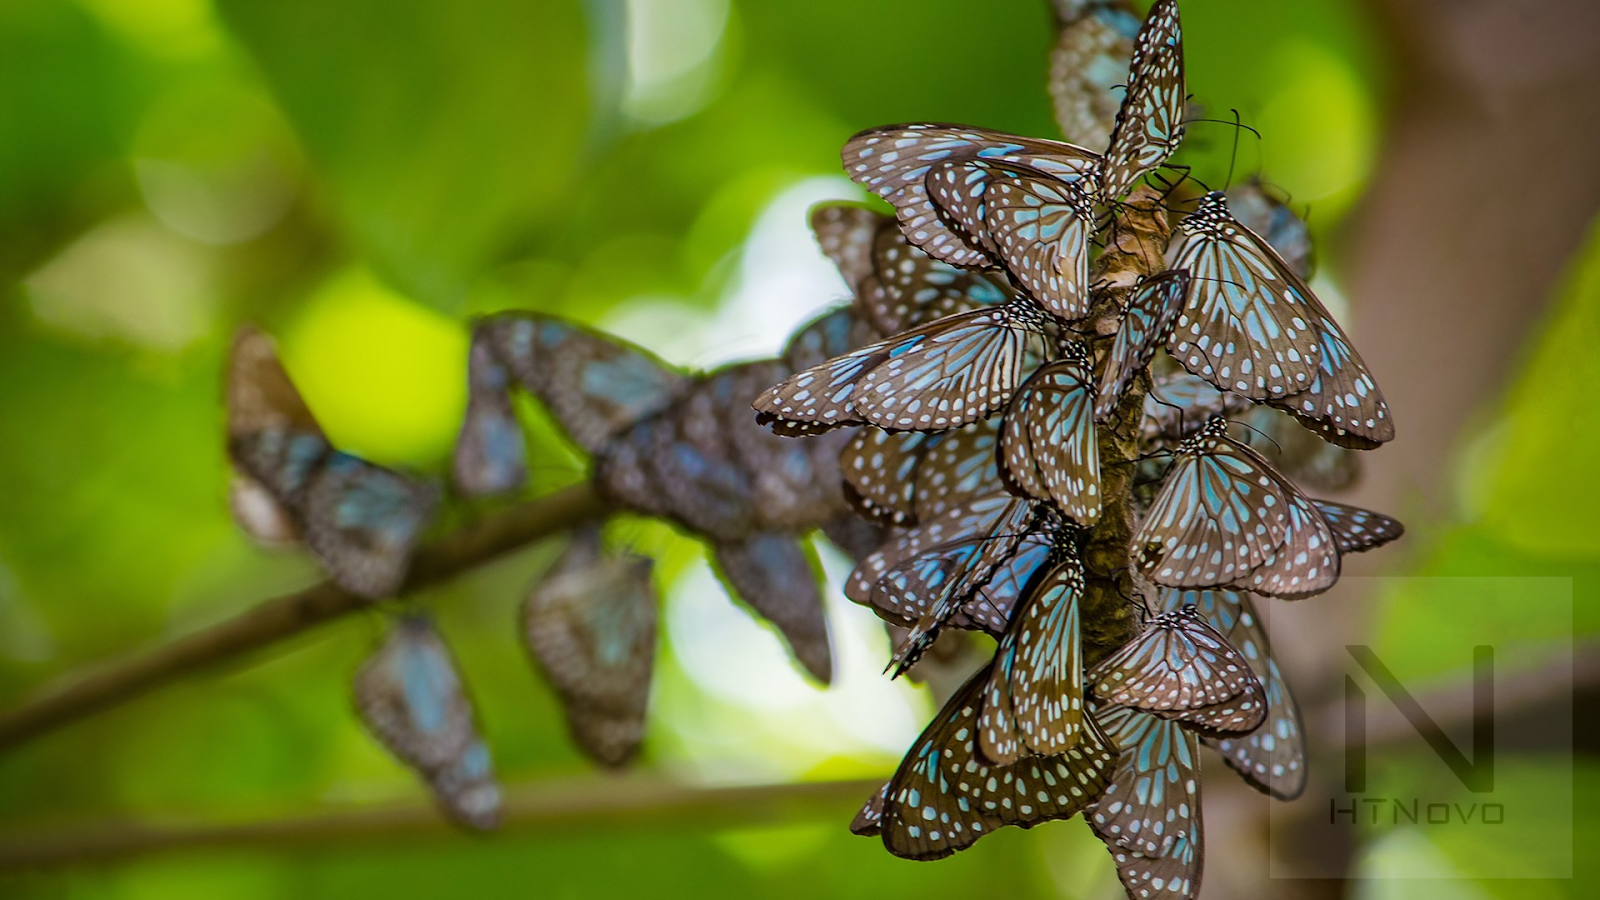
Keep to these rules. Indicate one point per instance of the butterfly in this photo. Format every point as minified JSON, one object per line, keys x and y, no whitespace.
{"x":1297,"y":452}
{"x":590,"y":625}
{"x":1271,"y":758}
{"x":360,"y":519}
{"x":411,"y":698}
{"x":1048,"y":443}
{"x":1150,"y":816}
{"x":1038,"y":227}
{"x":1089,"y":67}
{"x":935,"y":377}
{"x":902,"y":477}
{"x":1181,"y":668}
{"x":1033,"y":701}
{"x":907,"y":287}
{"x":1221,"y":513}
{"x":1152,"y":309}
{"x":1149,"y":123}
{"x":595,"y":385}
{"x":894,"y":162}
{"x":1252,"y":326}
{"x":489,"y":457}
{"x":944,"y":797}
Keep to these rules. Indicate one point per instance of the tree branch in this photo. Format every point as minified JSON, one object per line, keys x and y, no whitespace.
{"x":274,"y":620}
{"x":556,"y":807}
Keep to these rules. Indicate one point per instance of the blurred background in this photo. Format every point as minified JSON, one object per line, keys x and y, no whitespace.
{"x":359,"y":177}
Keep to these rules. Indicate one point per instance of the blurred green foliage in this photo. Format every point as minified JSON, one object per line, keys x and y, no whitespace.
{"x":360,"y":176}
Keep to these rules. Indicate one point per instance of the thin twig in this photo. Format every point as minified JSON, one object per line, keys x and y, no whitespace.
{"x":555,"y":807}
{"x":266,"y":623}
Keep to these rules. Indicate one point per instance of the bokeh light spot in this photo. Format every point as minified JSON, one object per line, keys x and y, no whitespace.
{"x":383,"y":374}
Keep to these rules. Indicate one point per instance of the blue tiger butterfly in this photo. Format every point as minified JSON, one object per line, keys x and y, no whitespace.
{"x":360,"y":519}
{"x":1181,"y":668}
{"x":1153,"y":307}
{"x":1089,"y":67}
{"x":411,"y":698}
{"x":1150,"y":816}
{"x":590,"y":625}
{"x":1149,"y":123}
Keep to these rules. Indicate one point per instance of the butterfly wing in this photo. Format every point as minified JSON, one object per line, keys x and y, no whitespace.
{"x":910,"y":288}
{"x":1343,"y":404}
{"x":1275,"y":222}
{"x":594,"y":384}
{"x":1146,"y":323}
{"x":1356,"y":529}
{"x":410,"y":696}
{"x":1149,"y":816}
{"x":966,"y":520}
{"x":274,"y":442}
{"x":1033,"y":703}
{"x":893,"y":162}
{"x":1220,"y":513}
{"x":489,"y":456}
{"x":1249,"y":323}
{"x":943,"y":797}
{"x":1180,"y":404}
{"x":363,"y":521}
{"x":1049,"y":449}
{"x":1150,"y":121}
{"x":590,"y":625}
{"x":1271,"y":758}
{"x":775,"y":576}
{"x":1308,"y":561}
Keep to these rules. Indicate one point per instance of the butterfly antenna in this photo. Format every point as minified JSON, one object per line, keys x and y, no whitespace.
{"x":1264,"y":436}
{"x":1234,"y":157}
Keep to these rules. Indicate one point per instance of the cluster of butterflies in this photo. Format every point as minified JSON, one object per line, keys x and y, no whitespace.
{"x":664,"y":443}
{"x":978,"y":426}
{"x":956,"y":412}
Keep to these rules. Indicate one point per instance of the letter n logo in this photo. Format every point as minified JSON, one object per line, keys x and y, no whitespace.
{"x":1477,"y":773}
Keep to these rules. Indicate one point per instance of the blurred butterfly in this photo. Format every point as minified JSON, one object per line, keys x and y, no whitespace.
{"x":1049,"y":448}
{"x":489,"y":457}
{"x":847,"y":232}
{"x":902,"y":477}
{"x":1252,"y":326}
{"x":1150,"y":816}
{"x":1033,"y":702}
{"x":1038,"y":227}
{"x":1150,"y":121}
{"x":1153,"y":307}
{"x":1306,"y":459}
{"x":1272,"y":219}
{"x":894,"y":161}
{"x":907,"y":287}
{"x":1089,"y":67}
{"x":1183,"y":669}
{"x":590,"y":624}
{"x":935,"y":377}
{"x":411,"y":697}
{"x":1180,"y":404}
{"x":944,"y":796}
{"x":360,"y":519}
{"x":1221,"y":513}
